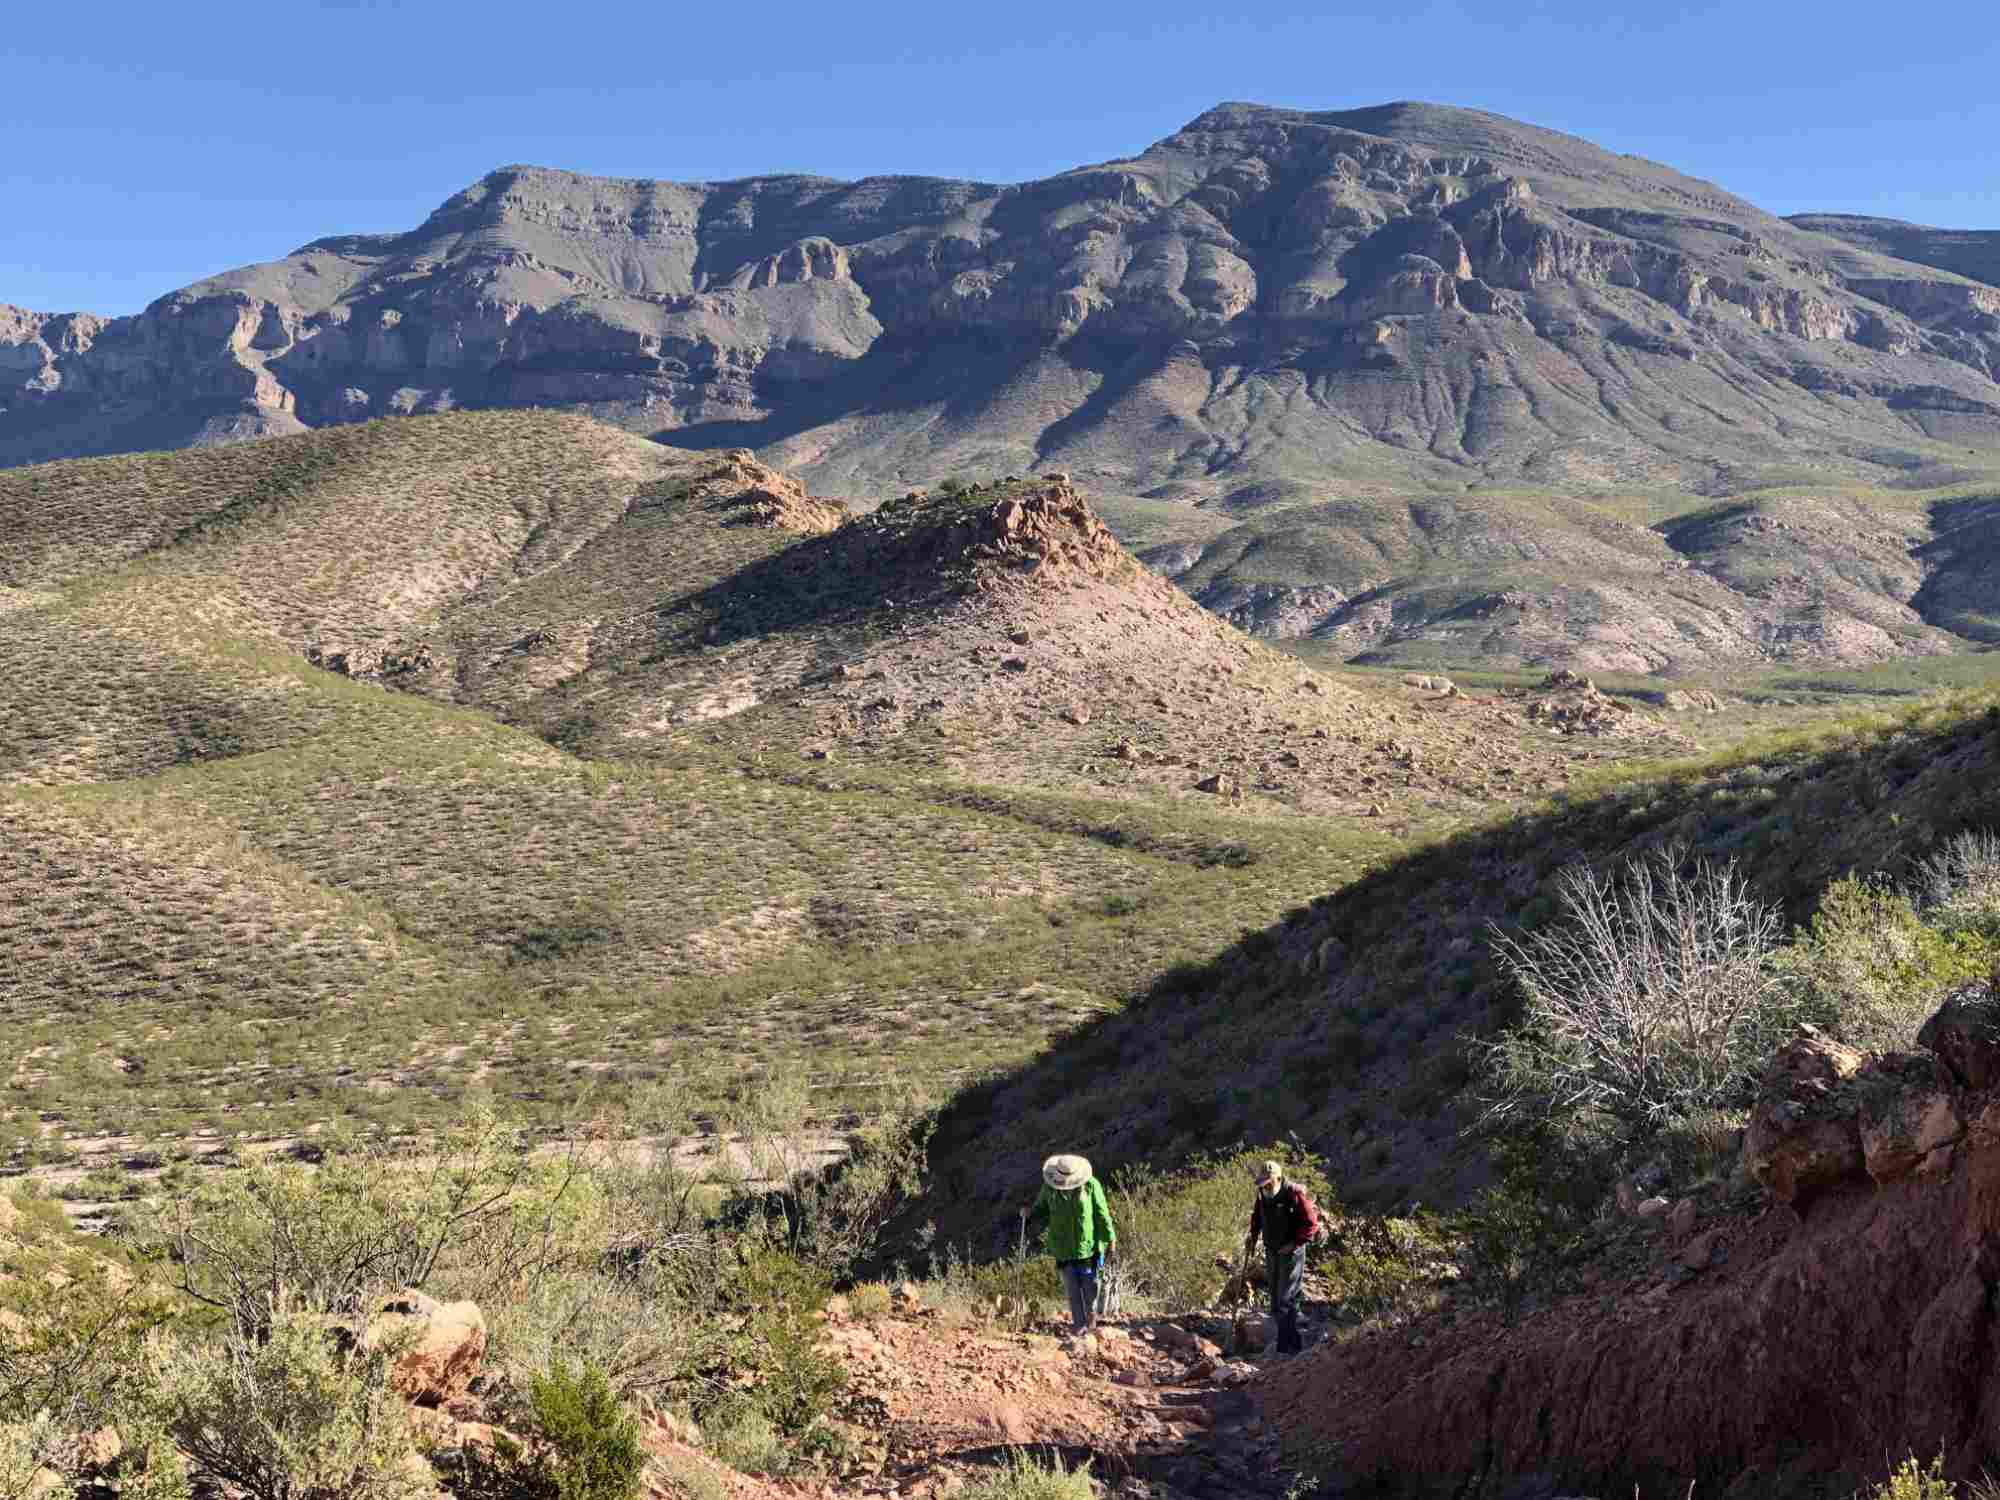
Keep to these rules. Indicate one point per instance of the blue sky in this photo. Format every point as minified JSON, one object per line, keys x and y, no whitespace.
{"x":143,"y":146}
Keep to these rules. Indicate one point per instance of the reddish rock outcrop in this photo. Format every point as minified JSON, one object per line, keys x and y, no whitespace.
{"x":1787,"y":1351}
{"x":441,"y":1345}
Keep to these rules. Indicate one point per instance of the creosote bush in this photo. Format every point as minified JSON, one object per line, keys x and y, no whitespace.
{"x":291,"y":1412}
{"x":583,"y":1445}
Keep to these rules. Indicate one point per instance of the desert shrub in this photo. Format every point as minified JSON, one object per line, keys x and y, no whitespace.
{"x":1172,"y":1228}
{"x":584,"y":1445}
{"x":25,"y":1450}
{"x":1514,"y":1243}
{"x":1026,"y":1477}
{"x":1704,"y":1146}
{"x":471,"y":1210}
{"x":830,"y":1216}
{"x":745,"y":1439}
{"x":1958,"y":886}
{"x":688,"y":1479}
{"x":1871,"y":968}
{"x":870,"y":1299}
{"x":1384,"y":1268}
{"x":1019,"y":1290}
{"x":74,"y":1324}
{"x":291,"y":1413}
{"x":639,"y":1327}
{"x":1654,"y":995}
{"x":777,"y":1302}
{"x":593,"y":1442}
{"x":1910,"y":1480}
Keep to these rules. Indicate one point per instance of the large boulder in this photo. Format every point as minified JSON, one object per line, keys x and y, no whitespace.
{"x":1965,"y":1035}
{"x":1908,"y":1119}
{"x":439,"y":1345}
{"x":1805,"y":1131}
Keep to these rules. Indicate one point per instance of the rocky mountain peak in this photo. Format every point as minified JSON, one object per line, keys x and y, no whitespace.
{"x":1267,"y":314}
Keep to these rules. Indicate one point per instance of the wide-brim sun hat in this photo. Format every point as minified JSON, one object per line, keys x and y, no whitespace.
{"x":1065,"y":1173}
{"x":1268,"y":1171}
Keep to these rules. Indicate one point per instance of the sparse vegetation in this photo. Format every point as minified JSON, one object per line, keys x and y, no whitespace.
{"x":1026,"y":1476}
{"x":1651,"y":996}
{"x":287,"y":1414}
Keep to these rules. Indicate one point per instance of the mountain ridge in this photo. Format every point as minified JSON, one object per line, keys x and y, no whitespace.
{"x":1256,"y":321}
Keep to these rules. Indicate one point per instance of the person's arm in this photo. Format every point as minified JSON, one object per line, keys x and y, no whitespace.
{"x":1040,"y":1202}
{"x":1103,"y":1207}
{"x":1308,"y":1220}
{"x":1256,"y":1226}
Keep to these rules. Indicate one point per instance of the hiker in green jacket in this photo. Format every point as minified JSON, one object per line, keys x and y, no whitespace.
{"x":1080,"y":1231}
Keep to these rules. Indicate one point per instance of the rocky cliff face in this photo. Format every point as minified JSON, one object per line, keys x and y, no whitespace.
{"x":1324,"y":261}
{"x":1265,"y":310}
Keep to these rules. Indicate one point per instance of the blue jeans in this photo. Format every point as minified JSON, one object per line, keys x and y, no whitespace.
{"x":1287,"y":1270}
{"x":1080,"y":1281}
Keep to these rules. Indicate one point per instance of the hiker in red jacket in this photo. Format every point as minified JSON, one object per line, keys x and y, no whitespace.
{"x":1286,"y":1218}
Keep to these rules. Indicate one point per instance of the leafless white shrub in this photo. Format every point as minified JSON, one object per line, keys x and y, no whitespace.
{"x":1651,"y":996}
{"x":1963,"y":877}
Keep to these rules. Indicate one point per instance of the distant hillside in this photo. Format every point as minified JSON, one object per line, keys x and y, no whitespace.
{"x":359,"y":770}
{"x":1419,"y":381}
{"x":1972,"y":253}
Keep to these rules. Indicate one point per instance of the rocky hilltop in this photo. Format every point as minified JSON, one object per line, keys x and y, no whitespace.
{"x":1267,"y":316}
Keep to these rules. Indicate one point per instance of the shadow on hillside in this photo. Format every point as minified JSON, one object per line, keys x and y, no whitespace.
{"x":1962,"y":590}
{"x":895,"y":377}
{"x":857,"y":572}
{"x":1345,"y":1025}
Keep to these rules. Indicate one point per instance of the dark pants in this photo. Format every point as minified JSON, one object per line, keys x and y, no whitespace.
{"x":1080,"y":1281}
{"x":1287,"y":1270}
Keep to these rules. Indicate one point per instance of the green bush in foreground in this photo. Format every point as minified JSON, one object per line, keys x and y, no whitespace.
{"x":585,"y":1445}
{"x":1910,"y":1480}
{"x":289,"y":1414}
{"x":1028,"y":1478}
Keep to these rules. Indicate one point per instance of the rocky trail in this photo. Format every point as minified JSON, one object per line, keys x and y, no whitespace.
{"x":1153,"y":1406}
{"x":936,"y":1397}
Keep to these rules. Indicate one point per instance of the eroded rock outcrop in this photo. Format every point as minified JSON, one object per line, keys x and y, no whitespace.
{"x":1781,"y":1352}
{"x":1372,"y":242}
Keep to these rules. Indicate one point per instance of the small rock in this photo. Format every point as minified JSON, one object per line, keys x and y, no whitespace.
{"x":1018,"y":637}
{"x":447,"y":1341}
{"x":1252,"y":1333}
{"x":1681,"y":1220}
{"x":1652,"y":1208}
{"x":1700,"y":1251}
{"x":1014,"y":664}
{"x":1077,"y":713}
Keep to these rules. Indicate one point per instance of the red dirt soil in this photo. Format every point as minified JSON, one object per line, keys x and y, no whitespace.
{"x":1798,"y":1349}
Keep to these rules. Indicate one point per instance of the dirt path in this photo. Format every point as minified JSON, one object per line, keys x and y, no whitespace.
{"x":1156,"y":1416}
